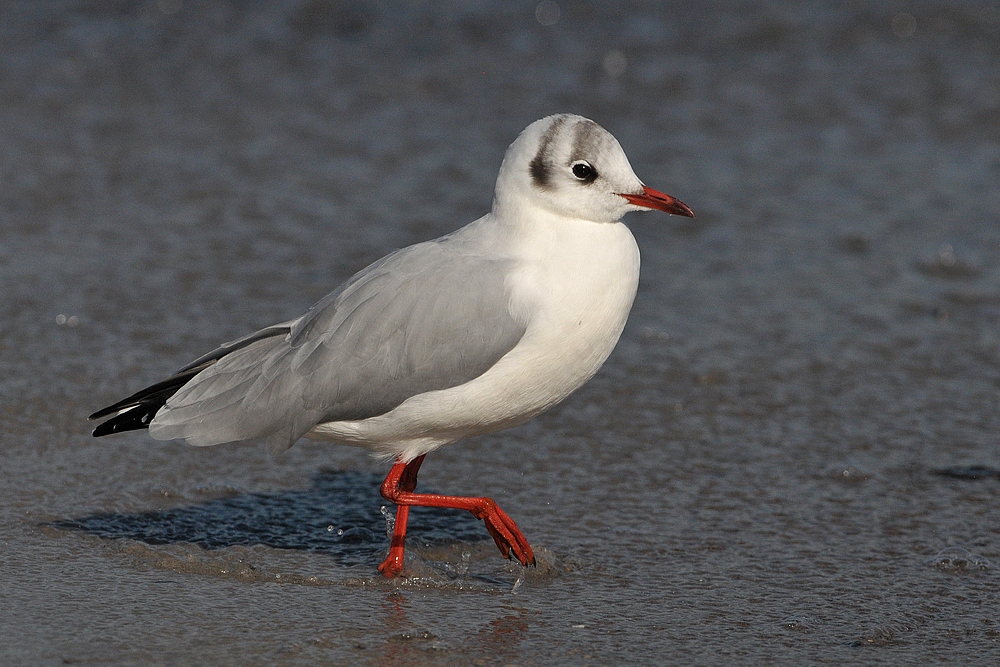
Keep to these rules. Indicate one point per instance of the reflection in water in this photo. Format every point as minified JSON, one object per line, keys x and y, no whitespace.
{"x":503,"y":635}
{"x":407,"y":642}
{"x":402,"y":636}
{"x":338,"y":515}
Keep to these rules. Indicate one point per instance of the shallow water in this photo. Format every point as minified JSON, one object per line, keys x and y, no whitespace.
{"x":790,"y":458}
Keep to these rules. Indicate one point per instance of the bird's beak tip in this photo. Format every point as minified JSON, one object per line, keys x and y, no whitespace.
{"x":654,"y":199}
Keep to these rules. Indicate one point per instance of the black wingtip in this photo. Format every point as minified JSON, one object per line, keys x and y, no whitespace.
{"x":136,"y":411}
{"x":131,"y":420}
{"x":107,"y":428}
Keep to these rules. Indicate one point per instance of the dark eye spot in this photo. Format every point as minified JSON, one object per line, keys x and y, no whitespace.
{"x":584,"y":172}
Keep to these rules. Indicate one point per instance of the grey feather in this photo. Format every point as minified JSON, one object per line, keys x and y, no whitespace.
{"x":431,"y":316}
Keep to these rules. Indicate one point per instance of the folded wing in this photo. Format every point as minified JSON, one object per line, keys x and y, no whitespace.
{"x":423,"y":318}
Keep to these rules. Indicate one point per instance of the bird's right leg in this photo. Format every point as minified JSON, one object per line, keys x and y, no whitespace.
{"x":398,"y":488}
{"x":402,"y":477}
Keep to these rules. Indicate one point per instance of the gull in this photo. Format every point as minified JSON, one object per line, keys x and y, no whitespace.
{"x":476,"y":331}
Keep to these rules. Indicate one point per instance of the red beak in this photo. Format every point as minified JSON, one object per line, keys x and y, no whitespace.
{"x":651,"y":198}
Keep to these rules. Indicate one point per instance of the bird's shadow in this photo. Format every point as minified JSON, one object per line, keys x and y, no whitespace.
{"x":339,"y":515}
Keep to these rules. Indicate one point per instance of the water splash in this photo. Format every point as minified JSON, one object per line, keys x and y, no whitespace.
{"x":390,"y":520}
{"x":521,"y":576}
{"x":958,"y":559}
{"x":463,"y":566}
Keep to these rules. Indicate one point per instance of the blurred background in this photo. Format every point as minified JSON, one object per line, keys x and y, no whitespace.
{"x":791,"y":458}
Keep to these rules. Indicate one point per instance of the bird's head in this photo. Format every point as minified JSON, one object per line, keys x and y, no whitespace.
{"x":572,"y":166}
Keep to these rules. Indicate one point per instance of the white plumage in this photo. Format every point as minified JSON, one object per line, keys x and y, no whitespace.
{"x":473,"y":332}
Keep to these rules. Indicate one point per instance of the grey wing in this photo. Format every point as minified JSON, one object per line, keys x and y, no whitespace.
{"x":424,"y":318}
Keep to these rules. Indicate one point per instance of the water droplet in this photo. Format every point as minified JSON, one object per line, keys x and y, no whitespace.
{"x":614,"y":64}
{"x":799,"y":623}
{"x":946,"y":256}
{"x":463,"y":567}
{"x":547,"y":12}
{"x":904,"y":24}
{"x":948,"y":264}
{"x":846,"y":473}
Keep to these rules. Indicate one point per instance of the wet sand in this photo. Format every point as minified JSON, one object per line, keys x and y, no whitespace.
{"x":791,"y":458}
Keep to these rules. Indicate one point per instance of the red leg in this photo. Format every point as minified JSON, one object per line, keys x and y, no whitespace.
{"x":402,"y":476}
{"x":398,"y":488}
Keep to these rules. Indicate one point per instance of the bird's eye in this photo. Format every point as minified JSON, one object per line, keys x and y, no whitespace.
{"x":584,"y":172}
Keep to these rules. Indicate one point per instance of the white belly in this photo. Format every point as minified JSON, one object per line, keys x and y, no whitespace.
{"x":574,"y":290}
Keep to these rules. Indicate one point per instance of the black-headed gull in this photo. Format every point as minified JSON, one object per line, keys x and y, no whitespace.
{"x":476,"y":331}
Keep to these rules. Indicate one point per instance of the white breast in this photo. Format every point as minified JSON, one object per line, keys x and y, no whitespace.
{"x":574,"y":288}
